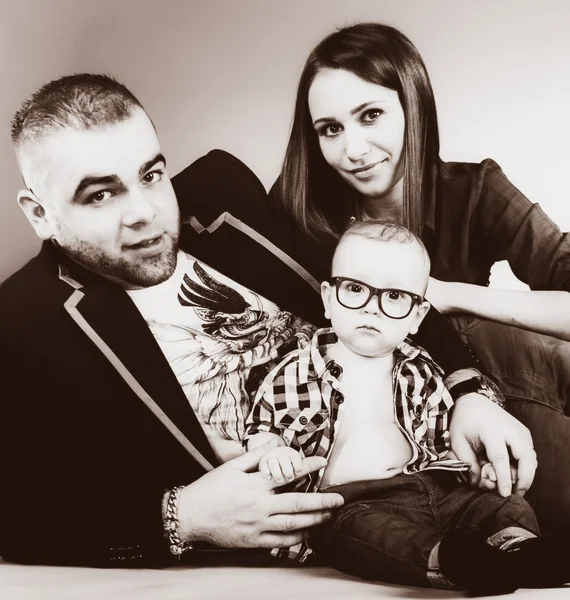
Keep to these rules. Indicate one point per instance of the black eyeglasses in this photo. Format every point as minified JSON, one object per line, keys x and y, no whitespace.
{"x":394,"y":303}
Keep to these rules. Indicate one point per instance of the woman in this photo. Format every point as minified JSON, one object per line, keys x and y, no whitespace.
{"x":364,"y":142}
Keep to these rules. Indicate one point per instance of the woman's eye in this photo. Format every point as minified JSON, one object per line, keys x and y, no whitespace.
{"x":330,"y":131}
{"x":355,"y":288}
{"x":394,"y":295}
{"x":372,"y":115}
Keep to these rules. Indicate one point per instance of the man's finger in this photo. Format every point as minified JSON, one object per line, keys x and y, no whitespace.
{"x":526,"y":466}
{"x":295,"y":521}
{"x":498,"y":456}
{"x":279,"y":540}
{"x":297,"y":462}
{"x":292,"y":502}
{"x":464,"y":452}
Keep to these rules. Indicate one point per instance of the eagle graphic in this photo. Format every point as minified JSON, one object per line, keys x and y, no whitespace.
{"x":221,"y":366}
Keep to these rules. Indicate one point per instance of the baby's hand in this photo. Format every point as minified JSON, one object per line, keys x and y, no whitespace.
{"x":488,"y":479}
{"x":281,"y":464}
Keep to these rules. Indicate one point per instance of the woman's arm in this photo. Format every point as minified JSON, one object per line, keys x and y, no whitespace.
{"x":438,"y":336}
{"x":545,"y":312}
{"x":506,"y":225}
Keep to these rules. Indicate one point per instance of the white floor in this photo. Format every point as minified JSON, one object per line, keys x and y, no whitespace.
{"x":228,"y":583}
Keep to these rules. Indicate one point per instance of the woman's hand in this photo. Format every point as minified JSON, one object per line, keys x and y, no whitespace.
{"x":481,"y":431}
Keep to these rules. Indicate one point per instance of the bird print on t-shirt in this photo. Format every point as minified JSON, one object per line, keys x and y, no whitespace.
{"x":221,"y":366}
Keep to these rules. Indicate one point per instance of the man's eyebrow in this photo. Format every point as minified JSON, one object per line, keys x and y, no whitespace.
{"x":90,"y":180}
{"x":151,"y":163}
{"x":354,"y":111}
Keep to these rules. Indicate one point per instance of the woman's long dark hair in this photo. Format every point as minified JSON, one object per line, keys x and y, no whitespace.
{"x":309,"y":186}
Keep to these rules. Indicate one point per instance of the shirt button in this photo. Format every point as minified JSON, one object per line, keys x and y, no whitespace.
{"x":339,"y":400}
{"x":335,"y":371}
{"x":419,"y":410}
{"x":303,"y":420}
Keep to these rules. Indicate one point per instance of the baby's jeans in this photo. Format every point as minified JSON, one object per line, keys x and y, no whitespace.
{"x":389,"y":529}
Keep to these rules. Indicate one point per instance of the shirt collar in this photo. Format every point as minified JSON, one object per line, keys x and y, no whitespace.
{"x":317,"y":365}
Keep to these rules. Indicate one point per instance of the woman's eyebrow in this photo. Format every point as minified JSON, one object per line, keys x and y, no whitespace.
{"x":364,"y":105}
{"x":354,"y":111}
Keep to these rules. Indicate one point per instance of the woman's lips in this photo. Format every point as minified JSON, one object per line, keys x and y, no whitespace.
{"x":368,"y":170}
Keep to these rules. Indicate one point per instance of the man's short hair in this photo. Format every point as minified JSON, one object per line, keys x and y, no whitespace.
{"x":80,"y":101}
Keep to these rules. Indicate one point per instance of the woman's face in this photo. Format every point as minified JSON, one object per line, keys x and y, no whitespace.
{"x":360,"y":126}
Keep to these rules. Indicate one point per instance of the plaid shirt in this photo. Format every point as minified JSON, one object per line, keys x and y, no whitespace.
{"x":299,"y":400}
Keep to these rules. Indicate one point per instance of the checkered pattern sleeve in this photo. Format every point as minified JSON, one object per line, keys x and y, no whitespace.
{"x":438,"y":406}
{"x":270,"y":393}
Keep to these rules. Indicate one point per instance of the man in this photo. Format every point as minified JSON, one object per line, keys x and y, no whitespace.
{"x":128,"y":363}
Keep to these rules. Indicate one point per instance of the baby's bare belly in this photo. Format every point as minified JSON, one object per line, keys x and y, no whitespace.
{"x":375,"y":452}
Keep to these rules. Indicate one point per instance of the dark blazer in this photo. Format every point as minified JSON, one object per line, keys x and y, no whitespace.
{"x":84,"y":463}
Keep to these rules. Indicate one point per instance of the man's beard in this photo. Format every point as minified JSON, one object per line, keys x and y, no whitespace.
{"x":146,"y":273}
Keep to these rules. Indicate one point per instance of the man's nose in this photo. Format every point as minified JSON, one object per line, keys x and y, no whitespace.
{"x":356,"y":143}
{"x":139,"y":210}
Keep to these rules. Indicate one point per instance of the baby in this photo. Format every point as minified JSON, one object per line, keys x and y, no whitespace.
{"x":366,"y":398}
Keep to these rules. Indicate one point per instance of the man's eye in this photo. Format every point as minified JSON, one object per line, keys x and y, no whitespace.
{"x":99,"y":197}
{"x":372,"y":115}
{"x":153,"y":177}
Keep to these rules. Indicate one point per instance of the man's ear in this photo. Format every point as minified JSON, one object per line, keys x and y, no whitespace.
{"x":35,"y":214}
{"x":326,"y":292}
{"x":421,"y":312}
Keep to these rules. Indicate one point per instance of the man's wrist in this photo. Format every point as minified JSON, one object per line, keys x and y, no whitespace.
{"x":470,"y":381}
{"x":171,"y":523}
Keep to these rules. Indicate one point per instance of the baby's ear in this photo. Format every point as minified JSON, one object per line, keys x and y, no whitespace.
{"x":326,"y":292}
{"x":421,"y":312}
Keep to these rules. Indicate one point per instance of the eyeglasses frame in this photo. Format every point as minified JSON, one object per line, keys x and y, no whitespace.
{"x":373,"y":291}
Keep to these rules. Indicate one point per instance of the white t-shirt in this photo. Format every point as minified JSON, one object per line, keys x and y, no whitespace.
{"x":220,"y":339}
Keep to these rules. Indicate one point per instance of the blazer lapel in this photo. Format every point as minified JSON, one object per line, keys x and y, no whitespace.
{"x":116,"y":320}
{"x":249,"y":258}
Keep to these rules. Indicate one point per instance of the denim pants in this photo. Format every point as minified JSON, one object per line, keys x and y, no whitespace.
{"x":387,"y":528}
{"x":533,"y":370}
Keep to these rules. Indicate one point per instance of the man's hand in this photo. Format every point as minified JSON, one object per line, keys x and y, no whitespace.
{"x":282,"y":464}
{"x":235,"y":507}
{"x":481,"y":431}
